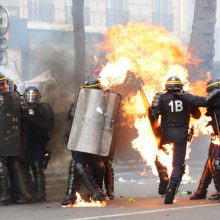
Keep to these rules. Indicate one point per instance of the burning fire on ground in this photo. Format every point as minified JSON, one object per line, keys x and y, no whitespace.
{"x":82,"y":203}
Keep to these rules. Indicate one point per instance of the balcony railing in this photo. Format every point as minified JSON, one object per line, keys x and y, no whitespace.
{"x":41,"y":12}
{"x":115,"y":16}
{"x":69,"y":18}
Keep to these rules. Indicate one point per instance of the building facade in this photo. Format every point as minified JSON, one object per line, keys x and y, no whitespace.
{"x":53,"y":18}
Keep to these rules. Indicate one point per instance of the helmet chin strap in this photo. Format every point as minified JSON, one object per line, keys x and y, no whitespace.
{"x":32,"y":105}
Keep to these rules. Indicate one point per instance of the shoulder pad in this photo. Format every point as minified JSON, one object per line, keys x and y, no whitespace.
{"x":46,"y":106}
{"x":212,"y":95}
{"x":157,"y":99}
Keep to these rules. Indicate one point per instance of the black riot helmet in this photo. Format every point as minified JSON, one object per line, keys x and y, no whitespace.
{"x":174,"y":84}
{"x":3,"y":83}
{"x":93,"y":83}
{"x":212,"y":84}
{"x":32,"y":96}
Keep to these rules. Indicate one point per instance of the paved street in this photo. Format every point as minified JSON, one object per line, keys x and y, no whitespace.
{"x":136,"y":198}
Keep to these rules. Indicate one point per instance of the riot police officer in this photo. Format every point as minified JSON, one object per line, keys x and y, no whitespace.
{"x":175,"y":108}
{"x":84,"y":166}
{"x":89,"y":168}
{"x":4,"y":193}
{"x":18,"y":188}
{"x":212,"y":166}
{"x":37,"y":120}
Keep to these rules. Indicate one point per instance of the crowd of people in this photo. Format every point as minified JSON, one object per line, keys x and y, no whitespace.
{"x":22,"y":178}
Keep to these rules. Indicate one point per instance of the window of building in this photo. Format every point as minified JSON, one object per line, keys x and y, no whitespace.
{"x":162,"y":13}
{"x":117,"y":12}
{"x":41,"y":10}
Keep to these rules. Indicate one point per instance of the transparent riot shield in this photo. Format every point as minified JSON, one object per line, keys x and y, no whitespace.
{"x":94,"y":121}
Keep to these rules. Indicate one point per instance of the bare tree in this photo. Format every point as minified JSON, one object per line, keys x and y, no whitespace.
{"x":79,"y":42}
{"x":202,"y":37}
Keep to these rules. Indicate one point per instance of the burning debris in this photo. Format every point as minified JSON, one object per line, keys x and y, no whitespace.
{"x":82,"y":203}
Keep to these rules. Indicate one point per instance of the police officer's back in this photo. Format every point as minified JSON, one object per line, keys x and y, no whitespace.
{"x":175,"y":108}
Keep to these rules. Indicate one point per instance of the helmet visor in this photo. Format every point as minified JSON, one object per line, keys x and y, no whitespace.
{"x":32,"y":97}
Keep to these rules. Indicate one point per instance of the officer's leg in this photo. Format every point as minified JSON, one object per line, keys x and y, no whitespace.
{"x":176,"y":175}
{"x":39,"y":180}
{"x":216,"y":178}
{"x":73,"y":186}
{"x":163,"y":175}
{"x":4,"y":194}
{"x":89,"y":181}
{"x":99,"y":172}
{"x":204,"y":182}
{"x":109,"y":179}
{"x":17,"y":172}
{"x":29,"y":178}
{"x":174,"y":183}
{"x":179,"y":137}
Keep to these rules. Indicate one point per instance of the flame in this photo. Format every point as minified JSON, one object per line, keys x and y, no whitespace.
{"x":152,"y":52}
{"x":153,"y":55}
{"x":216,"y":140}
{"x":114,"y":74}
{"x":165,"y":156}
{"x":81,"y":203}
{"x":198,"y":88}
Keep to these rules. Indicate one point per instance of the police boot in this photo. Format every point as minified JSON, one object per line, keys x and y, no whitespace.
{"x":215,"y":196}
{"x":17,"y":171}
{"x":39,"y":180}
{"x":4,"y":193}
{"x":163,"y":175}
{"x":216,"y":177}
{"x":216,"y":180}
{"x":72,"y":187}
{"x":109,"y":180}
{"x":170,"y":192}
{"x":90,"y":183}
{"x":163,"y":185}
{"x":204,"y":182}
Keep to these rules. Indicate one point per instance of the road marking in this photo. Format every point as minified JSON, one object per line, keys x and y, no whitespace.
{"x":145,"y":212}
